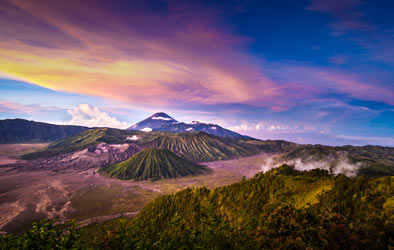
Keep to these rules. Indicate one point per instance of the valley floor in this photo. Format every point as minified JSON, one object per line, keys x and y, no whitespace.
{"x":28,"y":196}
{"x":10,"y":152}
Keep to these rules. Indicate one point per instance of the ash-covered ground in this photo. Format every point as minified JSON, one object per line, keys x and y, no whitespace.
{"x":69,"y":186}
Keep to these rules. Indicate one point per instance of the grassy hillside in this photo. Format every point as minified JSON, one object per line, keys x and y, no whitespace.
{"x":153,"y":164}
{"x":24,"y":131}
{"x":200,"y":146}
{"x":197,"y":146}
{"x":281,"y":209}
{"x":83,"y":140}
{"x":73,"y":143}
{"x":212,"y":129}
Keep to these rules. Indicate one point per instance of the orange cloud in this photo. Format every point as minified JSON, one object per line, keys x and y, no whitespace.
{"x":160,"y":59}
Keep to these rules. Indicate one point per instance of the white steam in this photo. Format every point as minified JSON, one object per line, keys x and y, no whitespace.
{"x":132,"y":138}
{"x":338,"y":165}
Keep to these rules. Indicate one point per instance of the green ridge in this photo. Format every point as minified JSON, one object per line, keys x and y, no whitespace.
{"x":70,"y":144}
{"x":281,"y":209}
{"x":83,"y":140}
{"x":202,"y":147}
{"x":153,"y":164}
{"x":195,"y":146}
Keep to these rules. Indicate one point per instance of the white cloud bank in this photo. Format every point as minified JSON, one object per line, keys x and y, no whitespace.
{"x":86,"y":115}
{"x":132,"y":138}
{"x":271,"y":128}
{"x":146,"y":130}
{"x":162,"y":118}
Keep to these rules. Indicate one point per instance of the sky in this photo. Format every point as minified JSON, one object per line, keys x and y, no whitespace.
{"x":314,"y":71}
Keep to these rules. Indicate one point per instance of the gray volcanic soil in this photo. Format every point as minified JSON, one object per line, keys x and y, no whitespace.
{"x":26,"y":197}
{"x":69,"y":186}
{"x":91,"y":157}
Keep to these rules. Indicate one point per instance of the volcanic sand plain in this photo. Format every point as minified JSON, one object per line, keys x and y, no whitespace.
{"x":28,"y":196}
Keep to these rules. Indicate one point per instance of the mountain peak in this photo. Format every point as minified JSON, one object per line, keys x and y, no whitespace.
{"x":161,"y":116}
{"x":155,"y":121}
{"x":160,"y":121}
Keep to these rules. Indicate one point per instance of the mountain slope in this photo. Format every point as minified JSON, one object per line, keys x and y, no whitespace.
{"x":281,"y":209}
{"x":153,"y":122}
{"x":165,"y":123}
{"x":153,"y":164}
{"x":196,"y":146}
{"x":70,"y":144}
{"x":208,"y":128}
{"x":368,"y":160}
{"x":85,"y":139}
{"x":200,"y":146}
{"x":271,"y":146}
{"x":22,"y":131}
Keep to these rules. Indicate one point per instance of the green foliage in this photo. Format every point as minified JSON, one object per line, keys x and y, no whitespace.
{"x":202,"y":147}
{"x":261,"y":213}
{"x":70,"y":144}
{"x":45,"y":235}
{"x":85,"y":139}
{"x":196,"y":147}
{"x":153,"y":164}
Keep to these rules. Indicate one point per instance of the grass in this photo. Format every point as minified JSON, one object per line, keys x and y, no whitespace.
{"x":153,"y":164}
{"x":194,"y":146}
{"x":202,"y":147}
{"x":70,"y":144}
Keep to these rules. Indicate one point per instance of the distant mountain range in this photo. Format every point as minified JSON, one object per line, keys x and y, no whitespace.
{"x":194,"y":146}
{"x":22,"y":131}
{"x":364,"y":160}
{"x":201,"y":143}
{"x":154,"y":121}
{"x":165,"y":123}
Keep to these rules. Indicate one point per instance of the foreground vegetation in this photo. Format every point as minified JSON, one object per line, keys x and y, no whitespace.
{"x":45,"y":235}
{"x":280,"y":209}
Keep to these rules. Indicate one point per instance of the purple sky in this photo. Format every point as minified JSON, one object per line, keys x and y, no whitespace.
{"x":306,"y":71}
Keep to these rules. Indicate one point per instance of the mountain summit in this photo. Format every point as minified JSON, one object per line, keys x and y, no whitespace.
{"x":161,"y":116}
{"x":165,"y":123}
{"x":154,"y":164}
{"x":153,"y":122}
